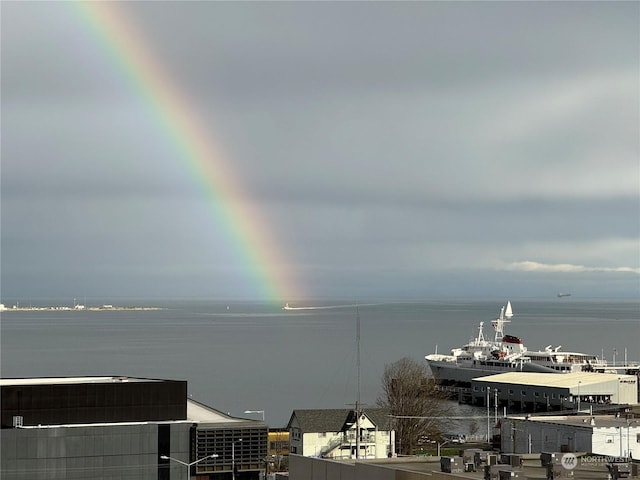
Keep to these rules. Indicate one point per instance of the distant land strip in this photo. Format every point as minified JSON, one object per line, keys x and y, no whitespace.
{"x":79,"y":308}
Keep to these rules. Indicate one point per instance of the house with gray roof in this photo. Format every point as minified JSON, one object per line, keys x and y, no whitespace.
{"x":339,"y":433}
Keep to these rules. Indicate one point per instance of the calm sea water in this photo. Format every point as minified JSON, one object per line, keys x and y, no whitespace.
{"x":253,"y":356}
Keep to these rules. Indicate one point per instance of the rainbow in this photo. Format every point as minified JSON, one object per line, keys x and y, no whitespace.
{"x":169,"y":108}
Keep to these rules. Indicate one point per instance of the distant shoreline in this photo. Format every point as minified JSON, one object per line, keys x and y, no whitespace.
{"x":104,"y":308}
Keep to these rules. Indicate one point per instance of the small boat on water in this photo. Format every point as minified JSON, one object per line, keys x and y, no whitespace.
{"x":505,"y":353}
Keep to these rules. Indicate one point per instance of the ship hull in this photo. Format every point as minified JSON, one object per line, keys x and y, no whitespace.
{"x":451,"y":373}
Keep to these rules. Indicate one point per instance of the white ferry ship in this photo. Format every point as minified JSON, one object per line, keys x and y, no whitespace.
{"x":505,"y":353}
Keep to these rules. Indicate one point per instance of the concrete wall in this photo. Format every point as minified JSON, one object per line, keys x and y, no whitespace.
{"x":615,"y":441}
{"x":306,"y":468}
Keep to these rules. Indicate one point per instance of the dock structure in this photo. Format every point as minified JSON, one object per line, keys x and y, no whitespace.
{"x":531,"y":392}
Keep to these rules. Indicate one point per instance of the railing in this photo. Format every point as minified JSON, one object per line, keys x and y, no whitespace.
{"x":347,"y":439}
{"x":336,"y":442}
{"x":366,"y":438}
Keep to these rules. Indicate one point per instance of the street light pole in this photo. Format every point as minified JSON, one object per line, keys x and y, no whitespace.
{"x":256,"y":411}
{"x":233,"y":459}
{"x":579,"y":382}
{"x":441,"y":445}
{"x":188,"y":465}
{"x":488,"y":414}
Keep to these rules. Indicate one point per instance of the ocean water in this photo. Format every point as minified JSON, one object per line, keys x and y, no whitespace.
{"x":256,"y":356}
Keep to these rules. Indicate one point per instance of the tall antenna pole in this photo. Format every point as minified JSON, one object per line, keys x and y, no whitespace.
{"x":358,"y":350}
{"x":358,"y":382}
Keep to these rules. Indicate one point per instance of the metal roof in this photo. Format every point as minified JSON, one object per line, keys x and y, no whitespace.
{"x":201,"y":413}
{"x":566,"y":380}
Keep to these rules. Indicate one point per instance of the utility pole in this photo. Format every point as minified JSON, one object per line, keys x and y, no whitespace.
{"x":358,"y":382}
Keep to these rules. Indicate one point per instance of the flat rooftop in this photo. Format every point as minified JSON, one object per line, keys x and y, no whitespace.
{"x":602,"y":421}
{"x":71,"y":380}
{"x":532,"y":468}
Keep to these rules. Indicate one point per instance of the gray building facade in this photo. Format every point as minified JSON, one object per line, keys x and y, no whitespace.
{"x":113,"y":428}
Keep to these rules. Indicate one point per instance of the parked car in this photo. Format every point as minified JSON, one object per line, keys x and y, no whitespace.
{"x":454,"y":438}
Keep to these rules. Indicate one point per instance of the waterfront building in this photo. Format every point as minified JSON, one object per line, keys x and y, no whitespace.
{"x":549,"y":391}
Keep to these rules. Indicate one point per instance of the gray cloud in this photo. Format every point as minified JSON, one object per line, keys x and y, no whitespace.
{"x":385,"y":144}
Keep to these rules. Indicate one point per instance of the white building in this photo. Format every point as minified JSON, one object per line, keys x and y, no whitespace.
{"x":553,"y":391}
{"x":334,"y":433}
{"x":608,"y":435}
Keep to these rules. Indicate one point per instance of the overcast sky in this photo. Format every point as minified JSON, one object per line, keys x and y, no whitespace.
{"x":390,"y":149}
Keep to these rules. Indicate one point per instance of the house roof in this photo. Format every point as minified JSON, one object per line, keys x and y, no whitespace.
{"x":336,"y":420}
{"x":379,"y":416}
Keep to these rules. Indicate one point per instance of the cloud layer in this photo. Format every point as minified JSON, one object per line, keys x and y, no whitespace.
{"x":393,"y":148}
